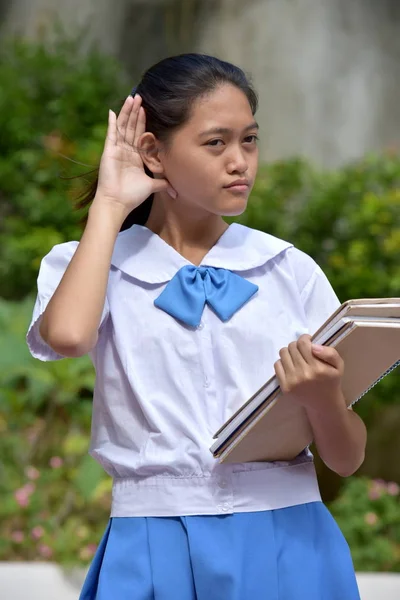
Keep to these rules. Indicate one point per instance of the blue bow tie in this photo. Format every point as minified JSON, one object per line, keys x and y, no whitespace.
{"x":192,"y":287}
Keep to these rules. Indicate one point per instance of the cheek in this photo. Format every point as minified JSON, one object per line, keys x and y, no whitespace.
{"x":252,"y":161}
{"x":192,"y":174}
{"x":186,"y":181}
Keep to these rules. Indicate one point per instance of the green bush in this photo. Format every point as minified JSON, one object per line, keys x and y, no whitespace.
{"x":368,"y":513}
{"x":54,"y":101}
{"x":55,"y":497}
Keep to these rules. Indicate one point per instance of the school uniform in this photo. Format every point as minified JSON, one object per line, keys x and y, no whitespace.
{"x":180,"y":349}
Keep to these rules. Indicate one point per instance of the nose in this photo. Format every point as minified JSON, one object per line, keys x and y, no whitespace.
{"x":237,"y":162}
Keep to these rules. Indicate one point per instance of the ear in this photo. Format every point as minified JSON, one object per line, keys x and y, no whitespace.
{"x":150,"y":149}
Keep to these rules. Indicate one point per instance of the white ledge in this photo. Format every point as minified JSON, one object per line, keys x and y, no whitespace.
{"x":47,"y":581}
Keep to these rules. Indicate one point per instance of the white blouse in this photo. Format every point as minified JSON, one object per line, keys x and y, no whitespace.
{"x":163,"y":388}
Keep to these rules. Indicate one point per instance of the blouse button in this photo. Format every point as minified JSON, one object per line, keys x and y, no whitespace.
{"x":206,"y":382}
{"x":200,"y":325}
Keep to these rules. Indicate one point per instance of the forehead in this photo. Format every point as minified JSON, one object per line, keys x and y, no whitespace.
{"x":226,"y":106}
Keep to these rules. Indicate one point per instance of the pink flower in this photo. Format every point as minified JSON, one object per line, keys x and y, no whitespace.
{"x":18,"y":537}
{"x":371,"y":518}
{"x":380,"y":483}
{"x":37,"y":532}
{"x":21,"y":497}
{"x":45,"y":551}
{"x":32,"y":472}
{"x":56,"y":462}
{"x":92,"y":548}
{"x":29,"y":488}
{"x":393,"y":488}
{"x":88,"y":551}
{"x":375,"y":492}
{"x":22,"y":494}
{"x":377,"y":488}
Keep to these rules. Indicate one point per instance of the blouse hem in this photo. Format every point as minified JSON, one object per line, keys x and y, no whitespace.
{"x":243,"y":491}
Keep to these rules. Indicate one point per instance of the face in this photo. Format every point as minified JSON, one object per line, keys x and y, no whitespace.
{"x":216,"y":148}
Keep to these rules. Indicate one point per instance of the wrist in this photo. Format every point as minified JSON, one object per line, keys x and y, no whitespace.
{"x":105,"y":210}
{"x":330,"y":407}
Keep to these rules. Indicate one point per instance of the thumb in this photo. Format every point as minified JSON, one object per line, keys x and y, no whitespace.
{"x":327,"y":354}
{"x":111,"y":137}
{"x":162,"y":185}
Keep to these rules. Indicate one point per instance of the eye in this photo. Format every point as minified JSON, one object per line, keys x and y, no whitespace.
{"x":251,"y":139}
{"x":214,"y":143}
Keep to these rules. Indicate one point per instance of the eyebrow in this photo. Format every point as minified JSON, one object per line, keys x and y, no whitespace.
{"x":227,"y":130}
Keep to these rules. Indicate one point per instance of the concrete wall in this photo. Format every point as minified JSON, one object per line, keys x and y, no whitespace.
{"x":327,"y":70}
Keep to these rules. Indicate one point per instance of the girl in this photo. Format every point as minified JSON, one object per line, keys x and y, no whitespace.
{"x":184,"y":318}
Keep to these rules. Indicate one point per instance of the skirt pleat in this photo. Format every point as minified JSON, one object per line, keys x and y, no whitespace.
{"x":294,"y":553}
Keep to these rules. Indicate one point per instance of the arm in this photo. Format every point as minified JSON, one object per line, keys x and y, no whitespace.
{"x":70,"y":322}
{"x":340,"y":436}
{"x":311,"y":375}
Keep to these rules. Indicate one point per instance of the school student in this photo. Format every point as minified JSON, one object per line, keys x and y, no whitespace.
{"x":184,"y":318}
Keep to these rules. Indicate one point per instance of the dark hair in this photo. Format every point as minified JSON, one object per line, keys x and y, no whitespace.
{"x":168,"y":91}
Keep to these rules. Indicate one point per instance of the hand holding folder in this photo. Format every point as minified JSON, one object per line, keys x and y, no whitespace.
{"x":269,"y":426}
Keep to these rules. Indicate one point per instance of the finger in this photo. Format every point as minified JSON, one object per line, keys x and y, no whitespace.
{"x":130,"y":131}
{"x":111,"y":137}
{"x":162,"y":185}
{"x":328,"y":355}
{"x":304,"y":346}
{"x":123,"y":117}
{"x":286,"y":360}
{"x":295,"y":355}
{"x":280,"y":374}
{"x":140,"y":126}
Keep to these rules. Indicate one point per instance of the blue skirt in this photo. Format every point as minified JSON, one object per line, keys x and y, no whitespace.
{"x":295,"y":553}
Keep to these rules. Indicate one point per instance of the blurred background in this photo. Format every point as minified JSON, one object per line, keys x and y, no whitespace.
{"x":328,"y":77}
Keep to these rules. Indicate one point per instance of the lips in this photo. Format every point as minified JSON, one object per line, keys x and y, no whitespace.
{"x":239,"y":183}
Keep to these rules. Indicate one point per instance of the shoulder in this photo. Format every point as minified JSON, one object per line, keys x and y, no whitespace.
{"x":65,"y":249}
{"x":260,"y":247}
{"x":315,"y":291}
{"x":57,"y":259}
{"x":265,"y":246}
{"x":304,"y":267}
{"x":242,"y":248}
{"x":259,"y":241}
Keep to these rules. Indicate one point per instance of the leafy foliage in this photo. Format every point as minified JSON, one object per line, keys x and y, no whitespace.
{"x":55,"y":497}
{"x":368,"y":513}
{"x":53,"y":107}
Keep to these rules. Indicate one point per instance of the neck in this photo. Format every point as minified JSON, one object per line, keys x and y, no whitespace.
{"x":190,"y":231}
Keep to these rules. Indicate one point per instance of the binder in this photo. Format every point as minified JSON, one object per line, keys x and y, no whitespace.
{"x":270,"y":426}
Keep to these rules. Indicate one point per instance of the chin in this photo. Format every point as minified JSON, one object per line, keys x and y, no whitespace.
{"x":234,"y":209}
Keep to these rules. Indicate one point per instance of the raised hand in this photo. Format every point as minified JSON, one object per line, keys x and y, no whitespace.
{"x":122,"y":178}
